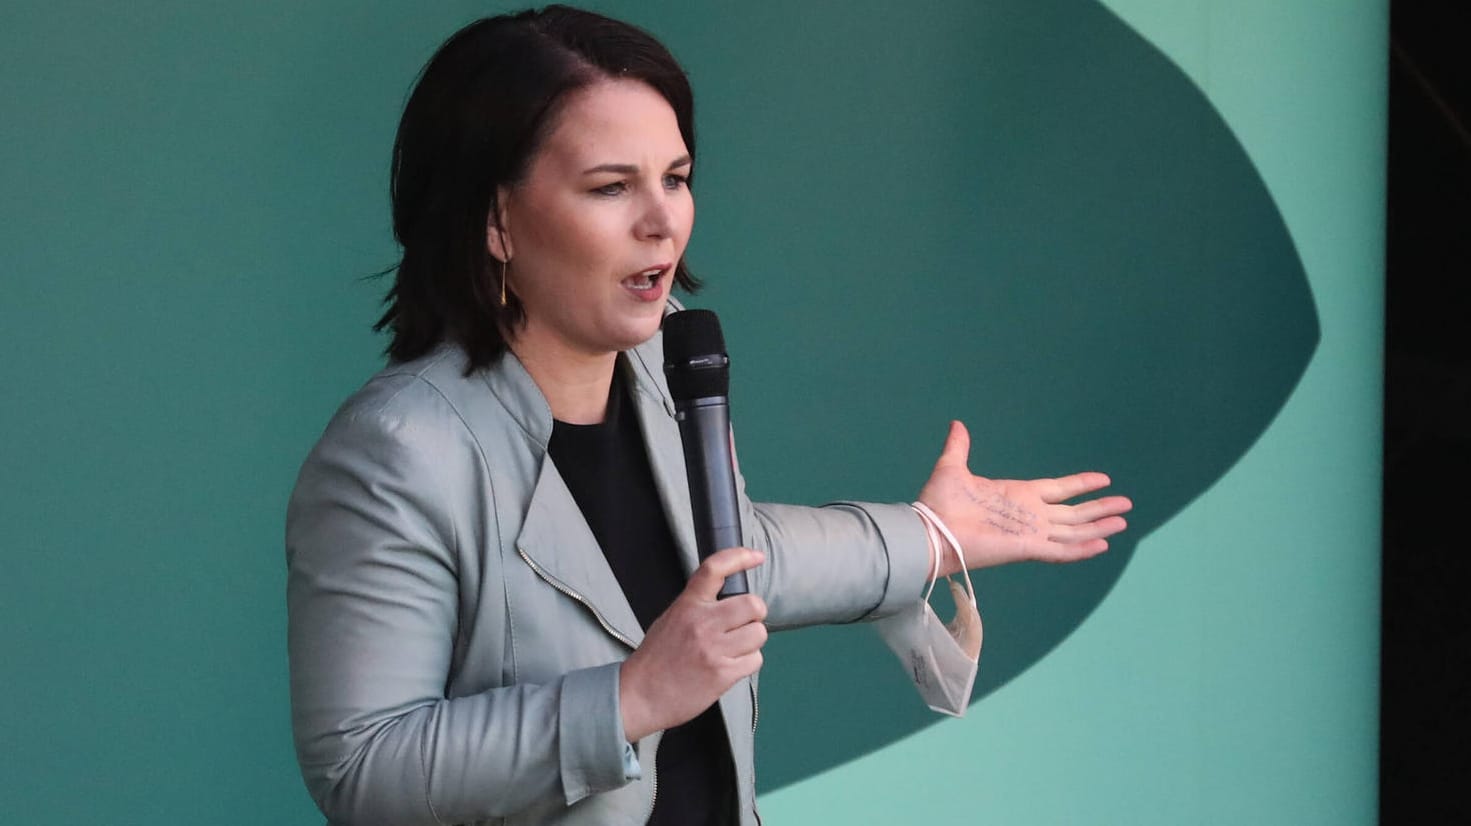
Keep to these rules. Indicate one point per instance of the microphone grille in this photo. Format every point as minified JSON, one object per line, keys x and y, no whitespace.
{"x":694,"y":355}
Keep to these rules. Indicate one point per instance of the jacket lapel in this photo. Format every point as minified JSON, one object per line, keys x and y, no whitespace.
{"x":665,"y":450}
{"x":554,"y":537}
{"x":561,"y":548}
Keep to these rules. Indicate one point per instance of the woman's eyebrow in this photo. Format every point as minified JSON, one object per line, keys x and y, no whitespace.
{"x":630,"y":169}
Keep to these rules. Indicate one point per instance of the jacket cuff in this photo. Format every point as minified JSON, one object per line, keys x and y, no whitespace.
{"x":908,"y":549}
{"x":595,"y":756}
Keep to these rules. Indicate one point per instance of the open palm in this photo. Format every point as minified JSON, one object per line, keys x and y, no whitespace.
{"x":1006,"y":520}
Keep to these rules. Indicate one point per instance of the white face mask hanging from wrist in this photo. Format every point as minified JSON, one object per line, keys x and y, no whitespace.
{"x":940,"y":658}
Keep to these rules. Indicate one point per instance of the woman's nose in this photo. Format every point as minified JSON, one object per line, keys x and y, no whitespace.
{"x":657,"y":220}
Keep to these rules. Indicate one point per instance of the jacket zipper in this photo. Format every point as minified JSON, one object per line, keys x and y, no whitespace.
{"x":755,"y":716}
{"x":579,"y":597}
{"x":653,"y":801}
{"x":547,"y":578}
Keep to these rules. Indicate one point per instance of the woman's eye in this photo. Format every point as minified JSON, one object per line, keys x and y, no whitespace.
{"x":672,"y":181}
{"x":615,"y":188}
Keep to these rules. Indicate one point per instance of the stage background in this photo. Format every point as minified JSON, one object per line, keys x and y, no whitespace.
{"x":1141,"y":236}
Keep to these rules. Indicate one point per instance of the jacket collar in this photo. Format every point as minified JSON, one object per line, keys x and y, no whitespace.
{"x":663,"y":444}
{"x":520,"y":396}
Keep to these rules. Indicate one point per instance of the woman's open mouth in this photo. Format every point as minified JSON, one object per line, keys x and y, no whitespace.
{"x":645,"y":283}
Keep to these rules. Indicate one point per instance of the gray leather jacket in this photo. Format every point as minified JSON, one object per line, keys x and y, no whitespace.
{"x":455,"y":632}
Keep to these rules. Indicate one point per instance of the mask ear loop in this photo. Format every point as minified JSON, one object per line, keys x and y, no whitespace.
{"x":934,"y":525}
{"x":938,"y":543}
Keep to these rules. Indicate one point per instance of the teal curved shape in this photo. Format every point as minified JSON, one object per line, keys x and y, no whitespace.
{"x":1017,"y":213}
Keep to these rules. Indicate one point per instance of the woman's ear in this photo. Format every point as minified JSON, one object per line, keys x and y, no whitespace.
{"x":497,"y":229}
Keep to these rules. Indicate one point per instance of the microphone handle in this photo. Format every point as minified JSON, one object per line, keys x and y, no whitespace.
{"x":704,"y":428}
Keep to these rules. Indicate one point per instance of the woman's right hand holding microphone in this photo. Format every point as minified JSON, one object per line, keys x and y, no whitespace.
{"x":695,"y":651}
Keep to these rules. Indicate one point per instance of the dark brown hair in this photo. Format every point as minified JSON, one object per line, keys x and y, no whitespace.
{"x":477,"y":115}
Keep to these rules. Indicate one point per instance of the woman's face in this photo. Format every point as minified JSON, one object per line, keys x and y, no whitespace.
{"x":595,"y":229}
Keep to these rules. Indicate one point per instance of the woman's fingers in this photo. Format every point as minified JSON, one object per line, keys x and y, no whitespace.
{"x":695,"y":650}
{"x":747,"y":665}
{"x":1064,"y":488}
{"x":1076,"y":534}
{"x":1056,"y":552}
{"x":736,"y":612}
{"x":745,"y":639}
{"x":1089,"y":511}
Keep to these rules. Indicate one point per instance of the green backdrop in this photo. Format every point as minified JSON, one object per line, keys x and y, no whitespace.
{"x":1139,"y":236}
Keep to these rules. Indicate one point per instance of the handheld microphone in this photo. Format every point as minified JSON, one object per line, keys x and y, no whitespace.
{"x":698,"y":371}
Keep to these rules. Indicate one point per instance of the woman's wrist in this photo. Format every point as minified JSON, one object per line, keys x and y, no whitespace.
{"x":940,"y":538}
{"x":636,"y":723}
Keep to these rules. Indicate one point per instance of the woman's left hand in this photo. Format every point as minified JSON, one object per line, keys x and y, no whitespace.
{"x":1004,"y":520}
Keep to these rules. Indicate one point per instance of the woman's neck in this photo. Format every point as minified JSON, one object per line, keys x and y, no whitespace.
{"x":575,"y":384}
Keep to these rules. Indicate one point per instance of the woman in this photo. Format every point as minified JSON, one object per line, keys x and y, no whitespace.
{"x":496,"y":614}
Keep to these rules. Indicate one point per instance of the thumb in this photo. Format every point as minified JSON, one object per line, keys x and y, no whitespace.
{"x":957,"y":447}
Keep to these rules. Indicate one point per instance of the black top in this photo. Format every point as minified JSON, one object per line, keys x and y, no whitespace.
{"x":607,"y":470}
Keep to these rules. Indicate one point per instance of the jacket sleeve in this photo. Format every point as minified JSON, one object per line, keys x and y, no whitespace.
{"x":842,"y":562}
{"x":372,"y":602}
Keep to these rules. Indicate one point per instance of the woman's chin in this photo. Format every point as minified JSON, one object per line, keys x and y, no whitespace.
{"x":644,"y":325}
{"x":640,"y":334}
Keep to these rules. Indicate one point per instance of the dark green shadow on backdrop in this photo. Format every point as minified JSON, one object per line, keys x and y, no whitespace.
{"x":1015,"y":213}
{"x":1018,"y":213}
